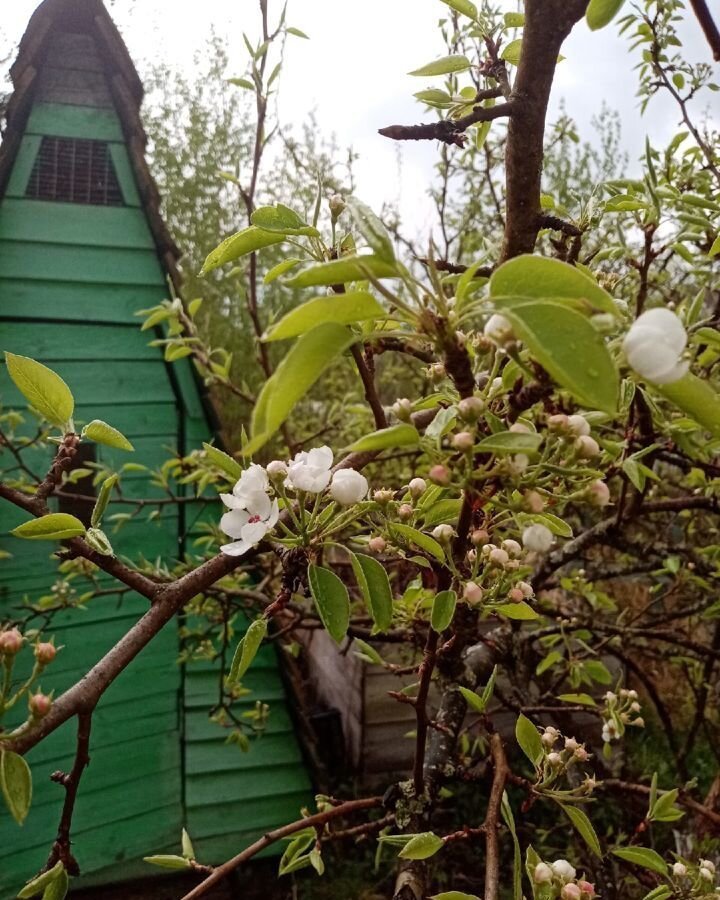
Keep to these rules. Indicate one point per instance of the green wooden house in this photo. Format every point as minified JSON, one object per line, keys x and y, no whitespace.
{"x":82,"y":248}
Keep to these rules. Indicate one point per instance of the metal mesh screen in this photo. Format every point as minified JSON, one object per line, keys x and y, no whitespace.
{"x":74,"y":170}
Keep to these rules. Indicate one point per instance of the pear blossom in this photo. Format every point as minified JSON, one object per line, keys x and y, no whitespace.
{"x":443,"y":533}
{"x":309,"y":471}
{"x":563,"y":870}
{"x":537,"y":538}
{"x":348,"y":487}
{"x":654,"y":346}
{"x":543,"y":874}
{"x":577,"y":425}
{"x":252,"y":485}
{"x":472,"y":592}
{"x":377,"y":544}
{"x":249,"y":525}
{"x":679,"y":870}
{"x":417,"y":486}
{"x":498,"y":329}
{"x":277,"y":470}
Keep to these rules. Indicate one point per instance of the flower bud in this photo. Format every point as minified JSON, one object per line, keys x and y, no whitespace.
{"x":586,"y":889}
{"x":559,"y":423}
{"x":499,"y":330}
{"x":498,"y":557}
{"x":570,"y":892}
{"x":537,"y":538}
{"x":578,"y":425}
{"x":598,"y":493}
{"x":479,"y":537}
{"x":707,"y":864}
{"x":554,"y":759}
{"x":571,"y":743}
{"x":402,"y":409}
{"x":543,"y":874}
{"x":11,"y":642}
{"x":463,"y":441}
{"x":473,"y":593}
{"x":45,"y":652}
{"x":405,"y":512}
{"x":679,"y":870}
{"x":515,"y":595}
{"x":633,"y":695}
{"x":439,"y":475}
{"x":654,"y":346}
{"x":39,"y":705}
{"x":705,"y":873}
{"x":348,"y":487}
{"x":470,"y":409}
{"x":383,"y":496}
{"x":377,"y":544}
{"x":417,"y":487}
{"x":337,"y":205}
{"x":443,"y":534}
{"x":635,"y":707}
{"x":587,"y":447}
{"x":277,"y":471}
{"x":517,"y":464}
{"x":471,"y":556}
{"x":437,"y":372}
{"x":639,"y":722}
{"x":563,"y":870}
{"x":512,"y":547}
{"x":527,"y":589}
{"x":581,"y":754}
{"x":534,"y":502}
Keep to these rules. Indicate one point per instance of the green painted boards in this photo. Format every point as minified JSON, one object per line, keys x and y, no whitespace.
{"x":81,"y":250}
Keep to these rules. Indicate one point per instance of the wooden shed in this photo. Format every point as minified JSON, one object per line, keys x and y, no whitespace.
{"x":82,"y":248}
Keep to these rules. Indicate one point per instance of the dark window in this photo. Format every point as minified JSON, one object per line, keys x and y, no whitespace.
{"x":83,"y":487}
{"x":74,"y":170}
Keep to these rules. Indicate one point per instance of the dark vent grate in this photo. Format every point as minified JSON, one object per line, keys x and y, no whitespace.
{"x":70,"y":170}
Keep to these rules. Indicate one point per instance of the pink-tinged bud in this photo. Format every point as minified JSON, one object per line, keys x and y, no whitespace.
{"x":498,"y":557}
{"x":377,"y":544}
{"x":405,"y":512}
{"x":679,"y":870}
{"x":598,"y":494}
{"x":470,"y":409}
{"x":571,"y":743}
{"x":581,"y":754}
{"x":417,"y":487}
{"x":440,"y":475}
{"x":463,"y":441}
{"x":534,"y":502}
{"x":527,"y":589}
{"x":40,"y":705}
{"x":570,"y":892}
{"x":558,"y":424}
{"x":479,"y":537}
{"x":587,"y":447}
{"x":11,"y":642}
{"x":45,"y":652}
{"x":471,"y":556}
{"x":578,"y":425}
{"x":515,"y":595}
{"x":437,"y":372}
{"x":543,"y":874}
{"x":554,"y":759}
{"x":337,"y":205}
{"x":473,"y":593}
{"x":512,"y":548}
{"x":587,"y":889}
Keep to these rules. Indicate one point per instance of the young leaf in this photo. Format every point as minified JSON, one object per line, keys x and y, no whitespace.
{"x":473,"y":701}
{"x":642,"y":856}
{"x":231,"y":467}
{"x":240,"y":244}
{"x":168,"y":861}
{"x":528,"y":737}
{"x":421,"y":846}
{"x":372,"y":229}
{"x":247,"y":650}
{"x":509,"y":820}
{"x":280,"y":269}
{"x":345,"y":309}
{"x":508,"y":442}
{"x":103,"y":498}
{"x":443,"y":66}
{"x":400,"y":435}
{"x":424,"y":541}
{"x":463,"y":6}
{"x":580,"y":699}
{"x":375,"y":588}
{"x":601,"y":12}
{"x":44,"y":390}
{"x":366,"y":652}
{"x":187,"y":846}
{"x":695,"y":397}
{"x":15,"y":784}
{"x":512,"y":51}
{"x":37,"y":885}
{"x":98,"y":540}
{"x":283,"y":220}
{"x":584,"y":827}
{"x":53,"y":527}
{"x":521,"y":611}
{"x":58,"y":887}
{"x":664,"y":809}
{"x":443,"y":610}
{"x":340,"y":271}
{"x":331,"y":599}
{"x":662,"y":892}
{"x":102,"y":433}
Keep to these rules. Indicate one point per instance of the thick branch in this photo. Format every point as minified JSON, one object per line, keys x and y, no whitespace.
{"x":707,"y":23}
{"x":449,"y":131}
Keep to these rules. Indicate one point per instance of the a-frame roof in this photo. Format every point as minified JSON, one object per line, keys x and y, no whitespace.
{"x":88,"y":17}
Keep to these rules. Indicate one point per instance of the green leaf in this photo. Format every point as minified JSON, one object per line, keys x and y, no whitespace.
{"x":283,"y":220}
{"x":509,"y":442}
{"x":601,"y":12}
{"x":247,"y":650}
{"x":58,"y":888}
{"x":168,"y":861}
{"x":443,"y":610}
{"x":344,"y":309}
{"x":521,"y":611}
{"x":695,"y":397}
{"x":297,"y":32}
{"x":102,"y":433}
{"x":372,"y":229}
{"x":580,"y":699}
{"x":53,"y":527}
{"x":512,"y":51}
{"x":555,"y":524}
{"x":401,"y":435}
{"x":584,"y":827}
{"x":464,"y":7}
{"x":44,"y":390}
{"x":331,"y":599}
{"x":473,"y":701}
{"x":242,"y":82}
{"x":240,"y":244}
{"x":103,"y":499}
{"x":664,"y":809}
{"x":308,"y":358}
{"x":280,"y":269}
{"x":642,"y":856}
{"x":442,"y":512}
{"x":509,"y":819}
{"x":231,"y":467}
{"x":187,"y":845}
{"x":421,"y":846}
{"x":341,"y":271}
{"x":540,"y":277}
{"x":662,"y":892}
{"x":514,"y":20}
{"x":423,"y":541}
{"x":528,"y":737}
{"x":367,"y":652}
{"x":565,"y":344}
{"x":374,"y":586}
{"x":715,"y":249}
{"x":15,"y":784}
{"x":597,"y":670}
{"x":443,"y":66}
{"x":38,"y":885}
{"x":454,"y":895}
{"x":550,"y":660}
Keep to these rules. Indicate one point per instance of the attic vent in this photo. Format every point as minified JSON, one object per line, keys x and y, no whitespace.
{"x":72,"y":170}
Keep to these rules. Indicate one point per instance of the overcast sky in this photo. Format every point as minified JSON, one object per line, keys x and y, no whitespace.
{"x":352,"y":72}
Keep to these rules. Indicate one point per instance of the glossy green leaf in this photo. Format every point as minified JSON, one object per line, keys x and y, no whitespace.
{"x":443,"y":610}
{"x":584,"y":827}
{"x":695,"y":397}
{"x":168,"y":861}
{"x":540,"y":277}
{"x":715,"y":249}
{"x":305,"y":362}
{"x":580,"y":699}
{"x":103,"y":498}
{"x":568,"y":347}
{"x":344,"y":309}
{"x":401,"y":435}
{"x":474,"y":702}
{"x":247,"y":649}
{"x":102,"y":433}
{"x":331,"y":599}
{"x":240,"y":244}
{"x":662,"y":892}
{"x":643,"y":856}
{"x":58,"y":887}
{"x":464,"y":7}
{"x":372,"y":229}
{"x":44,"y":389}
{"x":53,"y":527}
{"x":421,"y":846}
{"x":231,"y":467}
{"x":601,"y":12}
{"x":187,"y":845}
{"x":374,"y":586}
{"x":280,"y":269}
{"x":341,"y":271}
{"x":520,"y":611}
{"x":514,"y":20}
{"x":528,"y":737}
{"x":510,"y":442}
{"x":283,"y":220}
{"x":443,"y":66}
{"x":15,"y":784}
{"x":512,"y":51}
{"x":421,"y":540}
{"x":37,"y":885}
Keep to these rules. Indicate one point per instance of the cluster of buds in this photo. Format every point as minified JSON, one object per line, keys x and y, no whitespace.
{"x":621,"y":709}
{"x":559,"y":880}
{"x":695,"y":879}
{"x":559,"y":754}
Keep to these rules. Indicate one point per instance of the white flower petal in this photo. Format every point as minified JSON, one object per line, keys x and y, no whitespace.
{"x":237,"y":548}
{"x":254,"y":532}
{"x":348,"y":487}
{"x":231,"y":501}
{"x":320,"y":457}
{"x":233,"y":522}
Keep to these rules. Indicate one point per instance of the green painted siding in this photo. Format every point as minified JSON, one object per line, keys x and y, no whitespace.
{"x":71,"y":279}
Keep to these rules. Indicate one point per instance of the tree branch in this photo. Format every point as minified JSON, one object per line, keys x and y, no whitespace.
{"x":449,"y":131}
{"x":707,"y":23}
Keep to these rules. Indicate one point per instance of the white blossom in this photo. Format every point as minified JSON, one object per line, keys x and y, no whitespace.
{"x":498,"y":329}
{"x":537,"y":538}
{"x":443,"y":533}
{"x":250,"y":487}
{"x":577,"y":425}
{"x":654,"y":346}
{"x":563,"y":870}
{"x":277,"y":470}
{"x":543,"y":874}
{"x":348,"y":487}
{"x":310,"y":471}
{"x":417,"y":486}
{"x":679,"y":870}
{"x":250,"y":525}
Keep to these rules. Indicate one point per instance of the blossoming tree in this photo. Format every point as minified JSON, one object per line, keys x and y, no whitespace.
{"x":559,"y":448}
